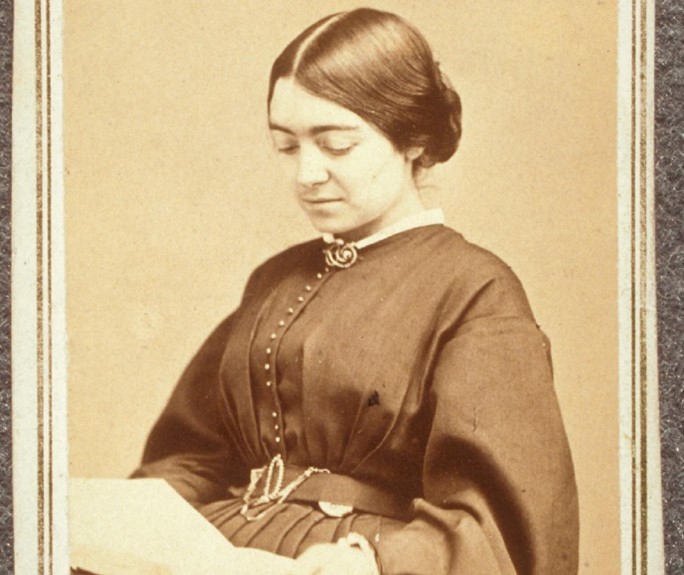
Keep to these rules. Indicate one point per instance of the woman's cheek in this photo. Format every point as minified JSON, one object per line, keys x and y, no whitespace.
{"x":287,"y":167}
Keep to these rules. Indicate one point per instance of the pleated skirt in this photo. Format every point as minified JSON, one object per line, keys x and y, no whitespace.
{"x":289,"y":528}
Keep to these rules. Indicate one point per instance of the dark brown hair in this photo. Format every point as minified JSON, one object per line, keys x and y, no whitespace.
{"x":381,"y":68}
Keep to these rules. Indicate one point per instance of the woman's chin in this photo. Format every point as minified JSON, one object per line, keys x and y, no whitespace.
{"x":325,"y":226}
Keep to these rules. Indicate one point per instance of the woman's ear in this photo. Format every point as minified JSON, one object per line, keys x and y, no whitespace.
{"x":414,"y":153}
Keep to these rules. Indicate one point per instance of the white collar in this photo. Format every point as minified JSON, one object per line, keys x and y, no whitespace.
{"x":425,"y":218}
{"x":419,"y":220}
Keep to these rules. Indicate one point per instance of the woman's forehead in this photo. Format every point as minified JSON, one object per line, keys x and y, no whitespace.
{"x":294,"y":109}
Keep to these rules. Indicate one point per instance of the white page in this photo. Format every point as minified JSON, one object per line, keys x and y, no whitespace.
{"x":143,"y":527}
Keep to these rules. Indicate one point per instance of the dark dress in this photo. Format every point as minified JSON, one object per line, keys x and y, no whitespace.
{"x":418,"y":372}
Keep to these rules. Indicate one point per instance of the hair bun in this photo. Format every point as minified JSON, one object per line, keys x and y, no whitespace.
{"x":447,"y":123}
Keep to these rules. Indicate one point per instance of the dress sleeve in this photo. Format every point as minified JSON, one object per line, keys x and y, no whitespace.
{"x":187,"y":445}
{"x":499,"y":493}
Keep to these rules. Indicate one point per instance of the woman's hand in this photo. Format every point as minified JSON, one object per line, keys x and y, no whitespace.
{"x":333,"y":559}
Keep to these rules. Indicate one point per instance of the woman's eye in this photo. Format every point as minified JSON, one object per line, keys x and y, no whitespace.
{"x":289,"y":150}
{"x":337,"y":149}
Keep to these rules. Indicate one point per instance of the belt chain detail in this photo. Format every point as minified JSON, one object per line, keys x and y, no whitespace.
{"x":274,"y":493}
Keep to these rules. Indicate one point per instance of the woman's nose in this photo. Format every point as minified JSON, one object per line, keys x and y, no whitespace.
{"x":311,"y":169}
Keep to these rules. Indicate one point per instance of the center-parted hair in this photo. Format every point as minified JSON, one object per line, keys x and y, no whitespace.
{"x":381,"y":68}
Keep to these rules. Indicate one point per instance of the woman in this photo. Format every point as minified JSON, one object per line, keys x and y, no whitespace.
{"x":382,"y":399}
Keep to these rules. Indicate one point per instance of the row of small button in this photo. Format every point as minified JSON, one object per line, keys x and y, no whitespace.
{"x":269,"y":365}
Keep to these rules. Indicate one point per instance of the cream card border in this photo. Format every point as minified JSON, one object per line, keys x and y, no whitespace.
{"x":38,"y":306}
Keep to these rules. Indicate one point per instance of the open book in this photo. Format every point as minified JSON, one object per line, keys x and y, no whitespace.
{"x":143,"y":527}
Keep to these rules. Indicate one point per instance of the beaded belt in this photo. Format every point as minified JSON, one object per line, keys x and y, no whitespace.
{"x":334,"y":493}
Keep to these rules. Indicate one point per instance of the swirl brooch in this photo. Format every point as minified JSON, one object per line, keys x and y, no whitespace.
{"x":340,"y":254}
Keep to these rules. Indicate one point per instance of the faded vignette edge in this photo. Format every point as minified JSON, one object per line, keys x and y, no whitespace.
{"x":38,"y":305}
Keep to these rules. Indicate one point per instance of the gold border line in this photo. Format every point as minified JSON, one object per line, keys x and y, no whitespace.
{"x":643,"y":270}
{"x":39,"y":284}
{"x":44,"y":287}
{"x":633,"y":289}
{"x":48,"y":53}
{"x":639,"y":225}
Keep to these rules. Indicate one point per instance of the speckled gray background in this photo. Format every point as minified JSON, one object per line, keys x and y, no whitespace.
{"x":6,"y":539}
{"x":670,"y":262}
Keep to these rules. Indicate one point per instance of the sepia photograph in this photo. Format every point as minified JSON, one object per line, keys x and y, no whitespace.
{"x":337,"y":289}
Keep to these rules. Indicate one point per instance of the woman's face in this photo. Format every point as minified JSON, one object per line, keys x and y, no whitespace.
{"x":347,"y":176}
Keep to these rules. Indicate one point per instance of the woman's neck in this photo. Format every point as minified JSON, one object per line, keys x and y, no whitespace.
{"x":410,"y":205}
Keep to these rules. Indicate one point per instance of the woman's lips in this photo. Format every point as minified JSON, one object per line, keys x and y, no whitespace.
{"x":320,"y":201}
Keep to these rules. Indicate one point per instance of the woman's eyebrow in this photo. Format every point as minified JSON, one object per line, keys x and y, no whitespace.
{"x":316,"y":130}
